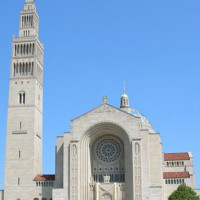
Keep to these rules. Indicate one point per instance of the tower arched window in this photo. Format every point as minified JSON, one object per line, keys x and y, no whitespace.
{"x":22,"y":98}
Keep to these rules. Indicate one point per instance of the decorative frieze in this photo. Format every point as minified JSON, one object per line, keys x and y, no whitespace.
{"x":136,"y":149}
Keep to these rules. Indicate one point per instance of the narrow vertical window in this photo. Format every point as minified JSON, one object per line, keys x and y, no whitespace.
{"x":15,"y":50}
{"x":22,"y":24}
{"x":30,"y":49}
{"x":18,"y":181}
{"x":17,"y":68}
{"x":24,"y":98}
{"x":27,"y":48}
{"x":26,"y":69}
{"x":31,"y":20}
{"x":21,"y":49}
{"x":14,"y":70}
{"x":32,"y":69}
{"x":33,"y":49}
{"x":29,"y":69}
{"x":19,"y":154}
{"x":20,"y":125}
{"x":20,"y":98}
{"x":20,"y":68}
{"x":18,"y":47}
{"x":23,"y":69}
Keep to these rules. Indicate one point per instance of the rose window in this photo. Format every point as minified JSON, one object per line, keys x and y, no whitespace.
{"x":108,"y":149}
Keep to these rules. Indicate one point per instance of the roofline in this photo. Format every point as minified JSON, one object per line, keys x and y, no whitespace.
{"x":102,"y":105}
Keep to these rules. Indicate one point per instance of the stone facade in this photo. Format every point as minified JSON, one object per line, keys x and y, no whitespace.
{"x":110,"y":154}
{"x":1,"y":195}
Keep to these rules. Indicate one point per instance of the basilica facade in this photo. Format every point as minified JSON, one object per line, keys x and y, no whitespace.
{"x":109,"y":154}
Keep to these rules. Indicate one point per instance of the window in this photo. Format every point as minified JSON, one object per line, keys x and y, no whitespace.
{"x":22,"y":98}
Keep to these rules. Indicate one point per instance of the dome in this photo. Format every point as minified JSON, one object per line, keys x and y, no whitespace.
{"x":144,"y":121}
{"x":124,"y":95}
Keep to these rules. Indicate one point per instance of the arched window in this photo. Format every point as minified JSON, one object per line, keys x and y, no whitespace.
{"x":44,"y":199}
{"x":22,"y":98}
{"x":35,"y":199}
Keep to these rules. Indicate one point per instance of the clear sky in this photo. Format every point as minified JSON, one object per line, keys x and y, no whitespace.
{"x":92,"y":46}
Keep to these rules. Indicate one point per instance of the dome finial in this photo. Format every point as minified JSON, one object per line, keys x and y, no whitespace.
{"x":124,"y":98}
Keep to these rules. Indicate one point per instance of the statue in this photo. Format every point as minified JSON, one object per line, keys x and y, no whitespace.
{"x":106,"y":179}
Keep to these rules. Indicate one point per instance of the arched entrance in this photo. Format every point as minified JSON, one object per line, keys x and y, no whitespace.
{"x":105,"y":149}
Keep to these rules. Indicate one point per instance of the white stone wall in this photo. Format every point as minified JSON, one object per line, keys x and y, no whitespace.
{"x":59,"y":163}
{"x":108,"y":120}
{"x":156,"y":171}
{"x":1,"y":195}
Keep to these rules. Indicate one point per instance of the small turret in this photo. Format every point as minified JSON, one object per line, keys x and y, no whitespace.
{"x":124,"y":99}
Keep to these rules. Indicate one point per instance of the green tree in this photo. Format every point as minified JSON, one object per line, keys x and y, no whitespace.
{"x":184,"y":192}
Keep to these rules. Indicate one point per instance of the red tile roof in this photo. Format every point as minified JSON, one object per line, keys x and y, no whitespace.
{"x":45,"y":177}
{"x":176,"y":156}
{"x":167,"y":175}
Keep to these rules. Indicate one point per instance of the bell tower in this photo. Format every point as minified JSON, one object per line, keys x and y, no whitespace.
{"x":25,"y":108}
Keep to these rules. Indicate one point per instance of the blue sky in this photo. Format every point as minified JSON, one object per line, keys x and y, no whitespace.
{"x":92,"y":46}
